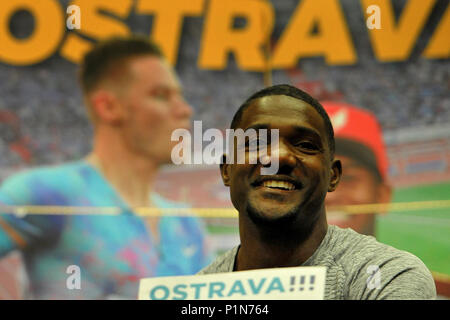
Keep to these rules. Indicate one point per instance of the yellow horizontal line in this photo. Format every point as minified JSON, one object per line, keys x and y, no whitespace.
{"x":216,"y":212}
{"x":222,"y":212}
{"x":391,"y":207}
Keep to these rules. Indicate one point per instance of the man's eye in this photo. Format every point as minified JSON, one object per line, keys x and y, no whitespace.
{"x":306,"y":145}
{"x":160,"y":95}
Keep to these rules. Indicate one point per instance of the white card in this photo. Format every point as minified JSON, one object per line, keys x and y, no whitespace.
{"x":298,"y":283}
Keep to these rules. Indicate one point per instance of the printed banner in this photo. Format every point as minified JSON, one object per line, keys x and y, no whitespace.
{"x":298,"y":283}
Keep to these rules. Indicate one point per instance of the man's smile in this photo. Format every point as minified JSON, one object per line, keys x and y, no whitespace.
{"x":277,"y":183}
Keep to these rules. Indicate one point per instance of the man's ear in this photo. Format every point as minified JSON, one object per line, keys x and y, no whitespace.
{"x":225,"y":170}
{"x":336,"y":173}
{"x":106,"y":106}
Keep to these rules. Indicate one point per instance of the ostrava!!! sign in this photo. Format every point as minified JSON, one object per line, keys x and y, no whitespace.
{"x":299,"y":283}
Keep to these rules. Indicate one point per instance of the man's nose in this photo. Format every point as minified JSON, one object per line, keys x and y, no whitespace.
{"x":183,"y":109}
{"x":286,"y":156}
{"x":282,"y":159}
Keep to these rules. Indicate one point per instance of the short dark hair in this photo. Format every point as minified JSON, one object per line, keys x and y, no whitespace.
{"x":113,"y":52}
{"x":288,"y":90}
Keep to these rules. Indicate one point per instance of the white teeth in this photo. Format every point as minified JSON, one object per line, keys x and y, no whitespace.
{"x":278,"y":184}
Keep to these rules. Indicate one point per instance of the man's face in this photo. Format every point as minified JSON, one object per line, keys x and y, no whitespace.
{"x":154,"y":107}
{"x":306,"y":172}
{"x":358,"y":186}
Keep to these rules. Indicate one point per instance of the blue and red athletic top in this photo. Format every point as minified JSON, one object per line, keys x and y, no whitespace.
{"x":113,"y":252}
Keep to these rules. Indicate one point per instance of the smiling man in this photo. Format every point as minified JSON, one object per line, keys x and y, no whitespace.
{"x":282,"y":218}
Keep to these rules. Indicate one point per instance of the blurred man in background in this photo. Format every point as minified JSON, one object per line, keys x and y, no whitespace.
{"x":360,"y":147}
{"x":134,"y":101}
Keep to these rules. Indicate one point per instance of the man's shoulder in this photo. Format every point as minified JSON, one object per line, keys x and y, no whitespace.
{"x":348,"y":245}
{"x":223,"y":263}
{"x":402,"y":274}
{"x":45,"y":172}
{"x":21,"y":186}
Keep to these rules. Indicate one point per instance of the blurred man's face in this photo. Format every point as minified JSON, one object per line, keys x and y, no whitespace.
{"x":295,"y":194}
{"x":358,"y":186}
{"x":154,"y":107}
